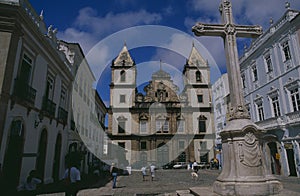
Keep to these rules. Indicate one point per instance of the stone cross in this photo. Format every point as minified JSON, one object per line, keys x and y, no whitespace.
{"x":244,"y":171}
{"x":229,"y":31}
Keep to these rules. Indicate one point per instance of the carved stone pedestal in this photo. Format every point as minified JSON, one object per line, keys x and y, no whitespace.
{"x":244,"y":170}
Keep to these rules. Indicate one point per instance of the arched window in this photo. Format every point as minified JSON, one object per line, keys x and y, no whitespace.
{"x":123,"y":76}
{"x":198,"y":76}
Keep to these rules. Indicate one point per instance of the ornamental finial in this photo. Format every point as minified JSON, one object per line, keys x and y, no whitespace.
{"x":42,"y":15}
{"x":271,"y":21}
{"x":287,"y":5}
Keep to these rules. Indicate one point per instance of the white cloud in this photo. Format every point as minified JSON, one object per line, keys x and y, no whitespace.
{"x":244,"y":11}
{"x":90,"y":27}
{"x":181,"y":43}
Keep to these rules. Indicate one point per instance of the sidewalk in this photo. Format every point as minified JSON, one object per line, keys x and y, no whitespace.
{"x":87,"y":182}
{"x":168,"y":182}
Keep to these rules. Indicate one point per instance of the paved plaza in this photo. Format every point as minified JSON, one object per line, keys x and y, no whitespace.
{"x":167,"y":182}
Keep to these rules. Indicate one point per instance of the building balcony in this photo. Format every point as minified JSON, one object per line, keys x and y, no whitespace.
{"x":293,"y":117}
{"x":62,"y":115}
{"x":24,"y":92}
{"x":48,"y":107}
{"x":269,"y":123}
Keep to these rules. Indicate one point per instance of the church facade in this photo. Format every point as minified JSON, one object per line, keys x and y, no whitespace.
{"x":160,"y":124}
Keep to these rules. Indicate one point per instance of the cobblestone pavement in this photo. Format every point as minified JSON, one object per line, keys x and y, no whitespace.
{"x":167,"y":182}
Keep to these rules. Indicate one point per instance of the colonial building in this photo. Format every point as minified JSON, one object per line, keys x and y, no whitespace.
{"x":220,"y":90}
{"x":160,"y":124}
{"x":221,"y":100}
{"x":270,"y":71}
{"x":36,"y":81}
{"x":88,"y":111}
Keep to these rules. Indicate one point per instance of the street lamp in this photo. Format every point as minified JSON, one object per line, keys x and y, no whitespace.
{"x":38,"y":120}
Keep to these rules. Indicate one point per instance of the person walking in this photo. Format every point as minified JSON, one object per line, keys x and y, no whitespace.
{"x":114,"y":174}
{"x":144,"y":173}
{"x":31,"y":183}
{"x":152,"y":171}
{"x":72,"y":178}
{"x":195,"y":167}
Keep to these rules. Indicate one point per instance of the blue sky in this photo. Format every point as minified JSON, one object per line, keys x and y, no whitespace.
{"x":91,"y":21}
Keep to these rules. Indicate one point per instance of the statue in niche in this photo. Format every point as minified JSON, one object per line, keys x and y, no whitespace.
{"x":160,"y":96}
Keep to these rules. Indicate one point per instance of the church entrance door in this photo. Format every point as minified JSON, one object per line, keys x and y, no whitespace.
{"x":13,"y":155}
{"x":162,"y":154}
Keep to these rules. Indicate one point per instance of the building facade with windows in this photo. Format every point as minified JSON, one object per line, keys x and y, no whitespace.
{"x":160,"y":124}
{"x":86,"y":133}
{"x":270,"y":70}
{"x":36,"y":84}
{"x":221,"y":100}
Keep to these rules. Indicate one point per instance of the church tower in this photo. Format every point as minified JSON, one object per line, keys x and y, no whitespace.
{"x":122,"y":96}
{"x":198,"y":91}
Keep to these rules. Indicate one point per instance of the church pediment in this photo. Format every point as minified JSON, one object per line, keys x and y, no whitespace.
{"x":124,"y":58}
{"x":195,"y":59}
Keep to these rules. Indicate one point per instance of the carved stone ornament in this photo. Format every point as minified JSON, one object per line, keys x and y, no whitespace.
{"x":239,"y":112}
{"x":199,"y":28}
{"x":249,"y":151}
{"x":230,"y":29}
{"x":249,"y":138}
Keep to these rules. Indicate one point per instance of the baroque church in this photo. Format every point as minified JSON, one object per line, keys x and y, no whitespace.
{"x":161,"y":124}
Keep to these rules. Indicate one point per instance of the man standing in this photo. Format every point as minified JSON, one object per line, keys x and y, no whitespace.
{"x":144,"y":172}
{"x":114,"y":174}
{"x":152,"y":171}
{"x":72,"y":179}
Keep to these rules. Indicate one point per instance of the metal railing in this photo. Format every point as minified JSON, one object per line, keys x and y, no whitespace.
{"x":23,"y":91}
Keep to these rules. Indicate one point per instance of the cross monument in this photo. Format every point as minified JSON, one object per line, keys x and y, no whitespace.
{"x":245,"y":168}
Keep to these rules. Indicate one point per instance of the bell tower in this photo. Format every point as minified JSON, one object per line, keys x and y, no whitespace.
{"x":198,"y":91}
{"x":123,"y":80}
{"x":197,"y":80}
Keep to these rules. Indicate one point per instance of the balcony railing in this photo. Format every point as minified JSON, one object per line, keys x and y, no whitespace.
{"x":268,"y":123}
{"x":62,"y":115}
{"x":24,"y":91}
{"x":48,"y":107}
{"x":294,"y":116}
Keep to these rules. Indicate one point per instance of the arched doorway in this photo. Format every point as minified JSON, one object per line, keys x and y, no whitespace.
{"x":291,"y":158}
{"x":13,"y":155}
{"x":41,"y":155}
{"x":56,"y":160}
{"x":275,"y":163}
{"x":182,"y":157}
{"x":143,"y":158}
{"x":162,"y":154}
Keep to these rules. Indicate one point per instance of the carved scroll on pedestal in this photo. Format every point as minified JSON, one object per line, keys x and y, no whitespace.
{"x":249,"y":151}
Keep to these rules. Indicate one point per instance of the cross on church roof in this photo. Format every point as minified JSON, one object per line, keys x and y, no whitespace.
{"x":229,"y":31}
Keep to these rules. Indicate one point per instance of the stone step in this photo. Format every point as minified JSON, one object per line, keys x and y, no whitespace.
{"x":202,"y":191}
{"x":184,"y":193}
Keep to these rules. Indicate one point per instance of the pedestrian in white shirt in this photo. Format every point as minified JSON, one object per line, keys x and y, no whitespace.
{"x":72,"y":179}
{"x":152,"y":171}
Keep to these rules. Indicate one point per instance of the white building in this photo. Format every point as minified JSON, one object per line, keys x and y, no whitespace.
{"x":160,"y":124}
{"x":36,"y":83}
{"x":88,"y":111}
{"x":220,"y":90}
{"x":270,"y":71}
{"x":221,"y":99}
